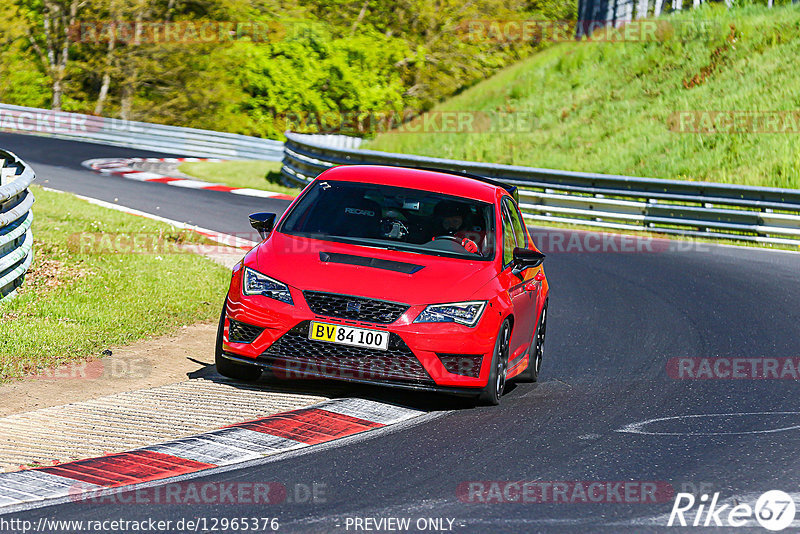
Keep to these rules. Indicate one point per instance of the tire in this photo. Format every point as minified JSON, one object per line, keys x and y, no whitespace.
{"x":228,"y":368}
{"x":491,"y":394}
{"x":531,"y":374}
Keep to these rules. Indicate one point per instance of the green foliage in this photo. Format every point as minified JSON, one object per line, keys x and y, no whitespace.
{"x":315,"y":72}
{"x":20,"y":82}
{"x":325,"y":55}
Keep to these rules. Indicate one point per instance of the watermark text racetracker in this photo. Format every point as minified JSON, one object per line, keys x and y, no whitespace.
{"x":546,"y":240}
{"x":175,"y":32}
{"x":371,"y":122}
{"x":734,"y":368}
{"x":119,"y":368}
{"x":97,"y":243}
{"x":205,"y":493}
{"x":581,"y":241}
{"x":734,"y":122}
{"x":590,"y":31}
{"x":564,"y":492}
{"x":56,"y":122}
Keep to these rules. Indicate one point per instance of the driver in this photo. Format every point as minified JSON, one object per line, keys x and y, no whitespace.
{"x":451,"y":220}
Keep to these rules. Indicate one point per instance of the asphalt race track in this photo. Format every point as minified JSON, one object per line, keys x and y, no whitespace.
{"x":616,"y":319}
{"x":58,"y":165}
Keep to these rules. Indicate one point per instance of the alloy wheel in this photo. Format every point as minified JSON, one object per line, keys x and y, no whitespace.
{"x":502,"y":360}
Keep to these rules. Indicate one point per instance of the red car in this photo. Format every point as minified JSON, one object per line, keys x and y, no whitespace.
{"x":410,"y":278}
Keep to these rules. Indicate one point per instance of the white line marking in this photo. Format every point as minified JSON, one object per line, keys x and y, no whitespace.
{"x":115,"y":170}
{"x":638,"y":428}
{"x":254,"y":193}
{"x":251,"y":440}
{"x":192,"y":184}
{"x":204,"y":449}
{"x":377,"y":412}
{"x":42,"y":485}
{"x":225,"y":239}
{"x":143,"y":176}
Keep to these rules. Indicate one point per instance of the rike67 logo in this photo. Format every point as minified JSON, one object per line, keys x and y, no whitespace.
{"x":774,"y":510}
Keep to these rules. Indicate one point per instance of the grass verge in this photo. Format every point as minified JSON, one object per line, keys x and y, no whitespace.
{"x":257,"y":174}
{"x":79,"y":299}
{"x":609,"y":107}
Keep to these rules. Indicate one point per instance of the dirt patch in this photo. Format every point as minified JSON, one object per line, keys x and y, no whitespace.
{"x":717,"y":59}
{"x":167,"y":359}
{"x":48,"y":273}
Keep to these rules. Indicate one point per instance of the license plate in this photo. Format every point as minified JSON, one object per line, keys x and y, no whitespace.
{"x":347,"y":335}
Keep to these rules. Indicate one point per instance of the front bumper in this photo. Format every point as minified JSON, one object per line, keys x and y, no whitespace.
{"x":412,"y":361}
{"x":466,"y":392}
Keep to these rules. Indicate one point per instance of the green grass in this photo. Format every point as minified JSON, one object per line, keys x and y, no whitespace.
{"x":73,"y":305}
{"x":604,"y":107}
{"x":264,"y":175}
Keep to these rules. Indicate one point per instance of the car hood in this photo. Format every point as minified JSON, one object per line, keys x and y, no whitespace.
{"x":311,"y":264}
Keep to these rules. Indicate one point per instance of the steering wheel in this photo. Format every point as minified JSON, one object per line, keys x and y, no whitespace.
{"x":456,"y":240}
{"x":448,"y":238}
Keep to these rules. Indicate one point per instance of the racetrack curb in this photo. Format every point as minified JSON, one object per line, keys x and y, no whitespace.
{"x":125,"y":168}
{"x":235,"y":444}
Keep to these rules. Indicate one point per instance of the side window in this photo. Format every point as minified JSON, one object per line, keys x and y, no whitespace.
{"x":516,"y":222}
{"x":509,"y":241}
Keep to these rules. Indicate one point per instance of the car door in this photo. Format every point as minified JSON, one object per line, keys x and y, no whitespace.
{"x":520,"y":289}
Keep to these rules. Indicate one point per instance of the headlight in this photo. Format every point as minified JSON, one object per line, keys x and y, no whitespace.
{"x":466,"y":313}
{"x":255,"y":283}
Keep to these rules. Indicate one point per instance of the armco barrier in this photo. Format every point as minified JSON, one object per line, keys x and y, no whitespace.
{"x":16,"y":238}
{"x":141,"y":135}
{"x":693,"y":209}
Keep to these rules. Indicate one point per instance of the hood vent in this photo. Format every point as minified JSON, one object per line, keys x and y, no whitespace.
{"x":363,"y":261}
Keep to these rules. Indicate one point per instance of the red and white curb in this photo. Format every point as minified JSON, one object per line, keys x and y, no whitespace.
{"x":235,"y":444}
{"x":124,"y":167}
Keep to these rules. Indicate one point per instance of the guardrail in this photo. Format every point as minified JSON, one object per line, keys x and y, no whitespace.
{"x":676,"y":207}
{"x":16,"y":238}
{"x":141,"y":135}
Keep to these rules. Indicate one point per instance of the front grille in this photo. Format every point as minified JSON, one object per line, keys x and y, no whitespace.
{"x":299,"y":357}
{"x":354,"y":308}
{"x":242,"y":332}
{"x":462,"y":364}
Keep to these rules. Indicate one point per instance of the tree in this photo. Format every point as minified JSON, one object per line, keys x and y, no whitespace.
{"x":48,"y":31}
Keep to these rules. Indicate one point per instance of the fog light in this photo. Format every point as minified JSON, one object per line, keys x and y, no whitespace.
{"x":462,"y":364}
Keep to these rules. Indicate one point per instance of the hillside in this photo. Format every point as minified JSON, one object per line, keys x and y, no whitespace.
{"x":610,"y":107}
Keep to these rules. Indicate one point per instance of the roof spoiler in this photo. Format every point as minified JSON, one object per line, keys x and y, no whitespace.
{"x":512,"y":189}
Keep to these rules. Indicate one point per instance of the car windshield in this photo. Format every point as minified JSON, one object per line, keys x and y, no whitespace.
{"x":394,"y":218}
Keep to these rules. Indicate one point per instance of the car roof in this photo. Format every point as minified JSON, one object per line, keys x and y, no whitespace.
{"x":425,"y":180}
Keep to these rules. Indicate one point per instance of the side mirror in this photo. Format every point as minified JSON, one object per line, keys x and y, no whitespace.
{"x":262,"y":223}
{"x":525,"y":258}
